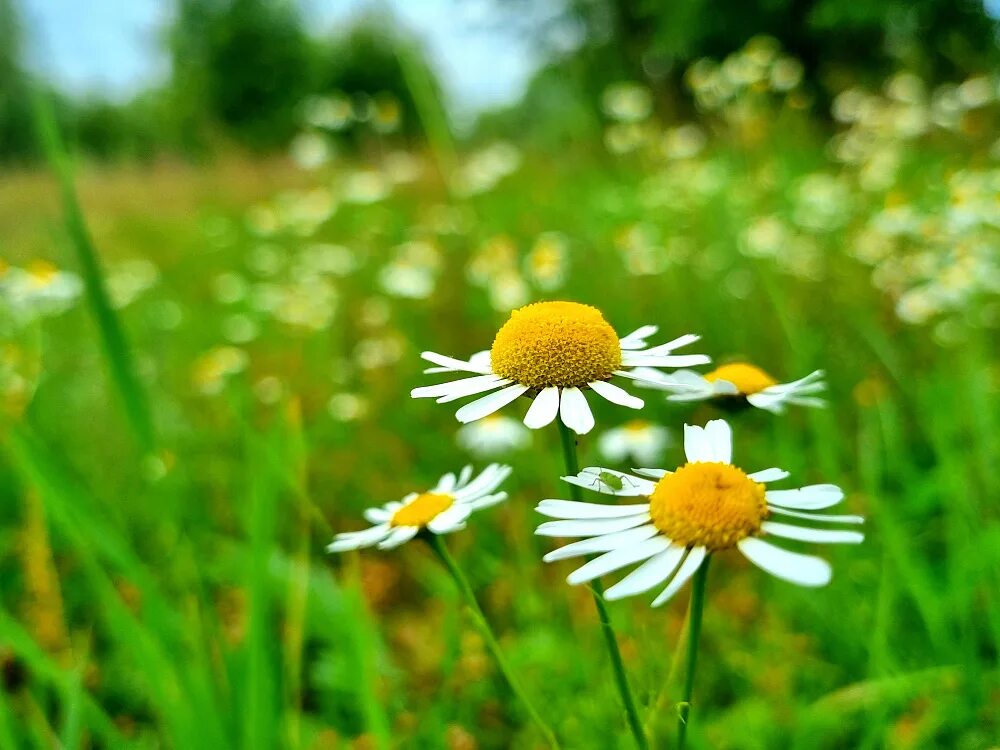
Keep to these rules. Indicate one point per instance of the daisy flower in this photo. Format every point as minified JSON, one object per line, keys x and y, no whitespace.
{"x":637,"y":439}
{"x":706,"y":506}
{"x":552,"y":352}
{"x":440,"y":510}
{"x":739,"y":382}
{"x":493,"y":435}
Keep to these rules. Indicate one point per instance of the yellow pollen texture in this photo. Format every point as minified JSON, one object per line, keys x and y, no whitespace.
{"x":747,"y":378}
{"x":422,"y":509}
{"x":561,"y":344}
{"x":711,"y":505}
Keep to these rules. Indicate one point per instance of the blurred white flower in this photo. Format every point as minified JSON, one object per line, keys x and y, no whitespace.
{"x":269,"y":389}
{"x":310,"y":150}
{"x":683,"y":142}
{"x":38,"y":290}
{"x":347,"y":407}
{"x":365,"y":186}
{"x":494,"y":435}
{"x":627,"y":102}
{"x":213,"y":369}
{"x":638,"y":441}
{"x":128,"y":280}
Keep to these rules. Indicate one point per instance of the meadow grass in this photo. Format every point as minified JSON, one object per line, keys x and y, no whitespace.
{"x":178,"y":595}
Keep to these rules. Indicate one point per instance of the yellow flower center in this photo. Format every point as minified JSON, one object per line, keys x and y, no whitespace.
{"x":563,"y":344}
{"x":422,"y":509}
{"x":636,"y":426}
{"x":41,"y":272}
{"x":712,"y":505}
{"x":748,"y":379}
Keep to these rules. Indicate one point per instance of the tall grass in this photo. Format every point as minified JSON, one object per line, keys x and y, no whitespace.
{"x":201,"y":611}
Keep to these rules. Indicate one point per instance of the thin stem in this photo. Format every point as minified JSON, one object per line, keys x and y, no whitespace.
{"x":597,"y":591}
{"x":437,"y":544}
{"x":694,"y":630}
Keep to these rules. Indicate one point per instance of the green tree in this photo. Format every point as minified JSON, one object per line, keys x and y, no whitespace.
{"x":243,"y":65}
{"x":17,"y":137}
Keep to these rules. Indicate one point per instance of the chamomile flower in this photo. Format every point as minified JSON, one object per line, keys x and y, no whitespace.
{"x":706,"y":506}
{"x":493,"y":435}
{"x":552,"y":352}
{"x":440,"y":510}
{"x":740,"y":382}
{"x":637,"y":440}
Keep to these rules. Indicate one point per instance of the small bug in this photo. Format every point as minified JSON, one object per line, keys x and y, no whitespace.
{"x":613,"y":481}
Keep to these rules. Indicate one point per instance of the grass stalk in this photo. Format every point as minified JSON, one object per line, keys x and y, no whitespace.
{"x":437,"y":544}
{"x":694,"y":632}
{"x":114,"y":345}
{"x":597,"y":591}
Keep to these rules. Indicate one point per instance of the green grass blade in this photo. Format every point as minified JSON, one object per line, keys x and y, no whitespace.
{"x":113,"y":342}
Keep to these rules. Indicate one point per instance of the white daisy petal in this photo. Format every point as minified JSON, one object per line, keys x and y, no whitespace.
{"x":575,"y":411}
{"x":471,"y":390}
{"x":398,"y":536}
{"x":571,"y":509}
{"x":816,"y":403}
{"x":821,"y":536}
{"x":682,"y":381}
{"x":720,"y":435}
{"x":488,"y":404}
{"x":822,"y":518}
{"x":455,"y":365}
{"x":357,"y":539}
{"x":812,"y":381}
{"x":652,"y":473}
{"x":450,"y":519}
{"x":644,"y":359}
{"x":637,"y":339}
{"x":813,"y":497}
{"x":491,"y":477}
{"x":445,"y":483}
{"x":764,"y":476}
{"x":458,"y":388}
{"x":641,"y":375}
{"x":618,"y":558}
{"x":463,"y":477}
{"x":805,"y":570}
{"x":543,"y":409}
{"x":616,"y":395}
{"x":697,"y":447}
{"x":591,"y":527}
{"x":604,"y":543}
{"x":486,"y":501}
{"x":681,"y":341}
{"x":774,"y":403}
{"x":590,"y":478}
{"x":651,"y":573}
{"x":688,"y":568}
{"x":377,"y":515}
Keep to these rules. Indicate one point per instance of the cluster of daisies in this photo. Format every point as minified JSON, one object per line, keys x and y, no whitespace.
{"x":670,"y":520}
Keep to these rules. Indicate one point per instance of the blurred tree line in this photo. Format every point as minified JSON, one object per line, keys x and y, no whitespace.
{"x":839,"y":43}
{"x":240,"y":73}
{"x":242,"y":68}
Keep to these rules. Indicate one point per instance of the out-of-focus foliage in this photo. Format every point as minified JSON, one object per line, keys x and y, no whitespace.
{"x":936,"y":38}
{"x":241,"y":64}
{"x":276,"y":309}
{"x":836,"y":42}
{"x":16,"y":130}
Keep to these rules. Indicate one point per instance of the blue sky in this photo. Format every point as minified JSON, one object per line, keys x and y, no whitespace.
{"x":113,"y":47}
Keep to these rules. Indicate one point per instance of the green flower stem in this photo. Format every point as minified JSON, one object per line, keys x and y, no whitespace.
{"x":694,"y":630}
{"x":597,"y":590}
{"x":437,"y":544}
